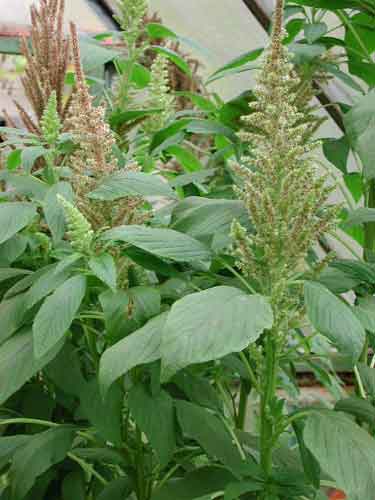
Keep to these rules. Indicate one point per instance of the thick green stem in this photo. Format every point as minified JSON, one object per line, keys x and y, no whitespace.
{"x":267,"y":402}
{"x":242,"y":407}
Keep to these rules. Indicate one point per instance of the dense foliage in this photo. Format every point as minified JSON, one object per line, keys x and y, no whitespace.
{"x":166,"y":265}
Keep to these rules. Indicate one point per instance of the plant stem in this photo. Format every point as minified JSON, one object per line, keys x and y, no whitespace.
{"x":242,"y":407}
{"x":88,"y":468}
{"x":141,"y":486}
{"x":267,"y":399}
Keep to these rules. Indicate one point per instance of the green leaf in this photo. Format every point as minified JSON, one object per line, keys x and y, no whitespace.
{"x":53,"y":210}
{"x":14,"y":159}
{"x":7,"y":273}
{"x":196,"y":178}
{"x":210,"y":432}
{"x":196,"y":485}
{"x":328,"y":4}
{"x":28,"y":185}
{"x":198,"y":390}
{"x":303,"y":53}
{"x":12,"y":312}
{"x":94,"y":55}
{"x":360,"y":216}
{"x":45,"y":284}
{"x":334,"y":319}
{"x":28,"y":281}
{"x":200,"y":217}
{"x":201,"y":102}
{"x":341,"y":75}
{"x":159,"y":31}
{"x":73,"y":486}
{"x":42,"y":452}
{"x":119,"y":118}
{"x":235,"y":490}
{"x":14,"y":217}
{"x":116,"y":490}
{"x":187,"y":159}
{"x":139,"y":75}
{"x":237,"y":62}
{"x":164,"y":243}
{"x":104,"y":268}
{"x":30,"y":155}
{"x":208,"y":325}
{"x":115,"y":307}
{"x":293,"y":28}
{"x":367,"y":375}
{"x":357,"y":407}
{"x":142,"y":346}
{"x":9,"y":445}
{"x":164,"y":135}
{"x":12,"y":249}
{"x":103,"y":413}
{"x":145,"y":303}
{"x":69,"y":381}
{"x":154,"y":415}
{"x":17,"y":358}
{"x":124,"y":184}
{"x":337,"y":152}
{"x":174,"y":58}
{"x":314,"y":31}
{"x":310,"y":465}
{"x":57,"y":314}
{"x":344,"y":450}
{"x":231,"y":72}
{"x":211,"y":127}
{"x":354,"y":182}
{"x":360,"y":129}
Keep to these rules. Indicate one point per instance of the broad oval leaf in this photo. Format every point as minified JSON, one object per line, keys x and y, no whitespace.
{"x":344,"y":450}
{"x":331,"y":317}
{"x":360,"y":127}
{"x":200,"y":216}
{"x":124,"y":184}
{"x":211,"y":324}
{"x":104,"y":268}
{"x":12,"y":312}
{"x":17,"y":358}
{"x":161,"y":242}
{"x":210,"y":432}
{"x":57,"y":314}
{"x":14,"y":217}
{"x":40,"y":453}
{"x":154,"y":415}
{"x":142,"y":346}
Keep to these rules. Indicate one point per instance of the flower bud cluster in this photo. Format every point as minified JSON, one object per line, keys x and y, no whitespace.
{"x":281,"y":187}
{"x":79,"y":232}
{"x":160,"y":96}
{"x":50,"y":122}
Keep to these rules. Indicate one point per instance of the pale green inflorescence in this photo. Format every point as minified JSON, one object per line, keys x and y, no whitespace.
{"x":131,"y":14}
{"x":160,"y":96}
{"x":80,"y":232}
{"x":50,"y":121}
{"x":282,"y":189}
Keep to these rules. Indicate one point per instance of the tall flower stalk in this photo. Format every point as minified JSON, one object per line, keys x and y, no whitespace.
{"x":47,"y":58}
{"x":285,"y":197}
{"x":131,"y":19}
